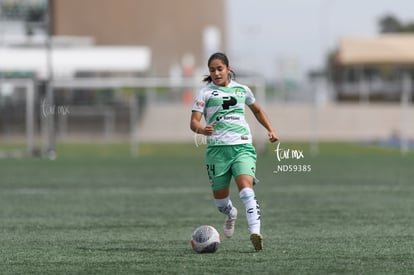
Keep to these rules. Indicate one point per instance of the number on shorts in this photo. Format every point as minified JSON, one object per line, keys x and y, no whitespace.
{"x":212,"y":168}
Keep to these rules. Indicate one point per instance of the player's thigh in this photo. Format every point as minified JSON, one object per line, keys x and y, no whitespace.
{"x":244,"y":162}
{"x":221,"y":183}
{"x":218,"y":167}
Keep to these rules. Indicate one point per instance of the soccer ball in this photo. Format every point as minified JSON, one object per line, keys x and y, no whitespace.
{"x":205,"y":239}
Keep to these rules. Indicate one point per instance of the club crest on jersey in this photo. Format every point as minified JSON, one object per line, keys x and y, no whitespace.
{"x":239,"y":93}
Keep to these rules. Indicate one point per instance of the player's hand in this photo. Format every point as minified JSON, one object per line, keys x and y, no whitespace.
{"x":272,"y":137}
{"x":209,"y":129}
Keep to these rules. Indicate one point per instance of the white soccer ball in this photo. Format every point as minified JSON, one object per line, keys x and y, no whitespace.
{"x":205,"y":239}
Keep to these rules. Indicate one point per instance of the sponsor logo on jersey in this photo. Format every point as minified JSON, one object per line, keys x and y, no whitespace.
{"x":227,"y":118}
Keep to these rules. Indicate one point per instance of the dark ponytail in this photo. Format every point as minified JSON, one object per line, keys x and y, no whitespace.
{"x":225,"y":60}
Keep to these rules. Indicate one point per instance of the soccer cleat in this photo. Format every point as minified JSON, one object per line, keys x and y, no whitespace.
{"x":229,"y":224}
{"x":257,"y":241}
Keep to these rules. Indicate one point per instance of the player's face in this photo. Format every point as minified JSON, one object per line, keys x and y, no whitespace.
{"x":219,"y":72}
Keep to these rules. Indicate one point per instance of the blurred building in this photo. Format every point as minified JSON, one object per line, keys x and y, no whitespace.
{"x":77,"y":40}
{"x":23,"y":22}
{"x":180,"y":33}
{"x":373,"y":68}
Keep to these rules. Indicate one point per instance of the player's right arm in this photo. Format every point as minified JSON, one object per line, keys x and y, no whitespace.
{"x":199,"y":128}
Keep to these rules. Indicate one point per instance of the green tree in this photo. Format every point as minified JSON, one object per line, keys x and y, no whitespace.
{"x":391,"y":24}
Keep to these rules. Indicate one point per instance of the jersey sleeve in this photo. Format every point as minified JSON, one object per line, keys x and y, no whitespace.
{"x":250,"y":99}
{"x":199,"y":103}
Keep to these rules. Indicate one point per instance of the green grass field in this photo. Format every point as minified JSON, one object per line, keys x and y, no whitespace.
{"x":95,"y":210}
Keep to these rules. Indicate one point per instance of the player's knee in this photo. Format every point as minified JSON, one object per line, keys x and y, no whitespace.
{"x":244,"y":181}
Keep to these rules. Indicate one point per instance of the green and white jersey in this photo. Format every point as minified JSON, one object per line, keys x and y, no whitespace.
{"x":225,"y":107}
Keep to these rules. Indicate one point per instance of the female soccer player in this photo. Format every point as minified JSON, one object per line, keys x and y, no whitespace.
{"x":230,"y":152}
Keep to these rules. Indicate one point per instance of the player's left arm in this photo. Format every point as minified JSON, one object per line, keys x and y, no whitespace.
{"x":261,"y":116}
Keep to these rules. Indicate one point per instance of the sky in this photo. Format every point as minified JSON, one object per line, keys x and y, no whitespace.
{"x":290,"y":37}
